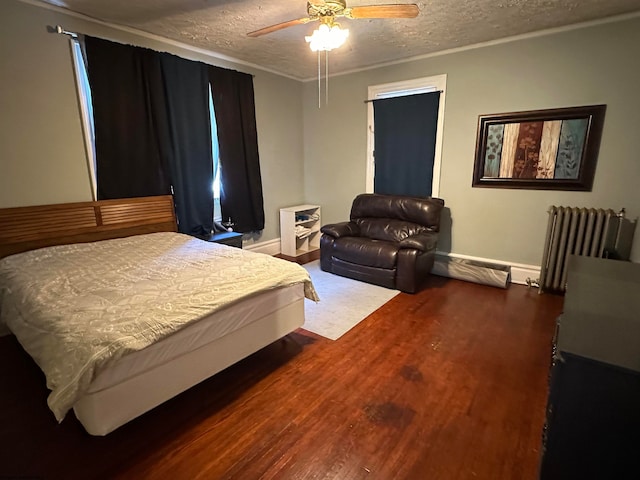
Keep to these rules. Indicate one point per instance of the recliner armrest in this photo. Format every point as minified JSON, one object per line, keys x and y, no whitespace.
{"x":343,"y":229}
{"x":424,"y":241}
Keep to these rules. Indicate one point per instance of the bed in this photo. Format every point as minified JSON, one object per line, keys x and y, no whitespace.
{"x":85,"y":288}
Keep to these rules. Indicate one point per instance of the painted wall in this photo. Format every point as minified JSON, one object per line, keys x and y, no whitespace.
{"x":42,"y":154}
{"x":598,"y":64}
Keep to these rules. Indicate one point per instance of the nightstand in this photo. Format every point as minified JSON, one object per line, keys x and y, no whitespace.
{"x":233,"y":239}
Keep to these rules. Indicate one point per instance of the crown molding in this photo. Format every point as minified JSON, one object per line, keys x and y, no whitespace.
{"x":218,"y":56}
{"x":500,"y":41}
{"x":151,"y":36}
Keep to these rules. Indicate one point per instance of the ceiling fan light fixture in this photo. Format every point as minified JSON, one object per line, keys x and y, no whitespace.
{"x":327,"y":37}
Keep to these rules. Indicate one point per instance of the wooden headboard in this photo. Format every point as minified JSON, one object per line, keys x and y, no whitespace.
{"x":28,"y":228}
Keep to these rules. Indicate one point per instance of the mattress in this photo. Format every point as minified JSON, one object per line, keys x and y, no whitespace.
{"x":196,"y":335}
{"x":142,"y":380}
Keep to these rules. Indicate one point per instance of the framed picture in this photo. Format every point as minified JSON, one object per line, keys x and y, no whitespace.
{"x":553,"y":149}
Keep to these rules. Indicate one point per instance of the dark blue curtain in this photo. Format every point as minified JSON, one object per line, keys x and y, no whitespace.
{"x":131,"y":133}
{"x":186,"y":91}
{"x":405,"y":140}
{"x":152,"y":128}
{"x":241,"y":196}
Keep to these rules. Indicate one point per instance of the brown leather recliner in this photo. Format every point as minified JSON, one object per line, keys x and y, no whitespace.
{"x":390,"y":241}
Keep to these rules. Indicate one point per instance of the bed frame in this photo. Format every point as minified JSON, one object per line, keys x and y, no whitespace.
{"x":102,"y":410}
{"x":28,"y":228}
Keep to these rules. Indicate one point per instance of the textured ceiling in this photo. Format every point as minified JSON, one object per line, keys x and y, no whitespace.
{"x":221,"y":26}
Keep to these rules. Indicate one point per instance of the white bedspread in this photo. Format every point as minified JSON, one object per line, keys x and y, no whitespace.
{"x":77,"y":308}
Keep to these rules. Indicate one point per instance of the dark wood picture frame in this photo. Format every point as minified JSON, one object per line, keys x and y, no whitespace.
{"x":555,"y":149}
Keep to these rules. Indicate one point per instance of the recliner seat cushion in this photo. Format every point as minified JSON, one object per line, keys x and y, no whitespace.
{"x":366,"y":251}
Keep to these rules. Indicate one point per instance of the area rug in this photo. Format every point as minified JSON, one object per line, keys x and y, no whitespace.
{"x":343,"y":302}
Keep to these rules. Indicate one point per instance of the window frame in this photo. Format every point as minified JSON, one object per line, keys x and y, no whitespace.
{"x":398,"y":89}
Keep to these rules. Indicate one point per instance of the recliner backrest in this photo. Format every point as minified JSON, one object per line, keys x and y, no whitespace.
{"x":395,"y":217}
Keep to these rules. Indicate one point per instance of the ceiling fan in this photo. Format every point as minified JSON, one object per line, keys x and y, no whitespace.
{"x":326,"y":11}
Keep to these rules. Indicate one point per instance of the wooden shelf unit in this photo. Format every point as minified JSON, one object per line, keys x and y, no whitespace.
{"x":291,"y":217}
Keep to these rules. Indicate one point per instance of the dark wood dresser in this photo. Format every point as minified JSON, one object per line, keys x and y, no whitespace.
{"x":592,"y":428}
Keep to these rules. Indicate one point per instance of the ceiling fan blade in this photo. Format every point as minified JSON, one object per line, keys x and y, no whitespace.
{"x":385,"y":11}
{"x":279,"y":26}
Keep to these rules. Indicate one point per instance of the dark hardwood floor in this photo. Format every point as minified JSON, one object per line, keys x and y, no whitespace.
{"x":449,"y":383}
{"x":302,"y":259}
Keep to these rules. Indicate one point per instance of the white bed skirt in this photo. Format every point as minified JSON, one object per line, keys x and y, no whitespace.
{"x":140,"y":381}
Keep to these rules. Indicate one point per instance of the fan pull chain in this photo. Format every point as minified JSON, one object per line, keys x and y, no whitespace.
{"x":326,"y":77}
{"x":319,"y":84}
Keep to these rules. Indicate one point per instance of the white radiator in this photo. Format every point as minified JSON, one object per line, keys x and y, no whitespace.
{"x":588,"y":232}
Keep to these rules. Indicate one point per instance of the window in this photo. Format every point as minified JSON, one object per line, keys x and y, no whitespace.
{"x":397,"y":89}
{"x":86,"y":110}
{"x":84,"y":96}
{"x":217,"y":175}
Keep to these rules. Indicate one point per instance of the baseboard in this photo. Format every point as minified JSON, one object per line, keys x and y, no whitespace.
{"x":520,"y":272}
{"x":525,"y":274}
{"x":270,"y":247}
